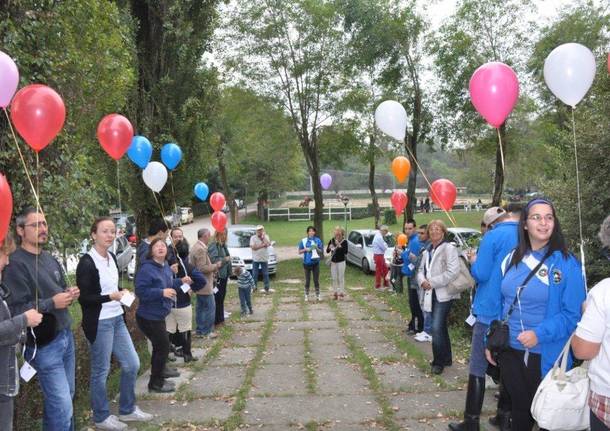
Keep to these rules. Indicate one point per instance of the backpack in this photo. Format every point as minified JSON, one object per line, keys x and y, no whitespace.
{"x":464,"y":280}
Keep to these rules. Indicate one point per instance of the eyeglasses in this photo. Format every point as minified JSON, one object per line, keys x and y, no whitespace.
{"x":37,"y":224}
{"x":538,"y":218}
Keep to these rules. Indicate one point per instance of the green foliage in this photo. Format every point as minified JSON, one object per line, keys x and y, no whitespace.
{"x":389,"y":217}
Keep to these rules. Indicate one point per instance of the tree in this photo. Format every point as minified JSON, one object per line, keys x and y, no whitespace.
{"x":480,"y":31}
{"x":290,"y":50}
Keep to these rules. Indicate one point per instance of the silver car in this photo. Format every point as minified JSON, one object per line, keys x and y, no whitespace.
{"x":464,"y":237}
{"x":238,"y":242}
{"x":360,"y":250}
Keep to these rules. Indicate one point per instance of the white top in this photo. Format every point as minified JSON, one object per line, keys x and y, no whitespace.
{"x":109,"y":282}
{"x":379,"y":245}
{"x":595,"y":327}
{"x":261,"y":254}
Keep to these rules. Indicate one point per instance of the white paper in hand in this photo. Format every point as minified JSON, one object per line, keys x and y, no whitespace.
{"x":185,"y":287}
{"x":471,"y":320}
{"x":127,"y":299}
{"x":27,"y":372}
{"x":215,"y":290}
{"x":314,"y":254}
{"x":411,"y":266}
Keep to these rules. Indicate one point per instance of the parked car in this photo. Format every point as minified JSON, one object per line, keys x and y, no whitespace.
{"x":126,"y":224}
{"x":360,"y":250}
{"x":186,"y":215}
{"x":173,"y":219}
{"x":464,"y":237}
{"x":121,"y":248}
{"x":238,"y":242}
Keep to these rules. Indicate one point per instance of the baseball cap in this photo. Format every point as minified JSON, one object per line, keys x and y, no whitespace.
{"x":260,"y":227}
{"x":493,"y":214}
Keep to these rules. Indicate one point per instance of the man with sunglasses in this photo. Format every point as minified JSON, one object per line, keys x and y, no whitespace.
{"x":36,"y":279}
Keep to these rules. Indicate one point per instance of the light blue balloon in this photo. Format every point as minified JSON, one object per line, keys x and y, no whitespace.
{"x":201,"y":191}
{"x":171,"y":154}
{"x":140,"y":151}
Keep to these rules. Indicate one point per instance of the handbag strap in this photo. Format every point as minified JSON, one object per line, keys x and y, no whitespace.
{"x":523,"y":285}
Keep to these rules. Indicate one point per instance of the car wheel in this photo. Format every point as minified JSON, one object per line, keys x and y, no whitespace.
{"x":365,"y":266}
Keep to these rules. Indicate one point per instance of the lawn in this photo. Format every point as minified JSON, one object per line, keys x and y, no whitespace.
{"x":289,"y":233}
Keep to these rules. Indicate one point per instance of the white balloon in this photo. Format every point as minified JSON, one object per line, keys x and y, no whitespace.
{"x":155,"y":176}
{"x":569,"y":71}
{"x":391,"y":118}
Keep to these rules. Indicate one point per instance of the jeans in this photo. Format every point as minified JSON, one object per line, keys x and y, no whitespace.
{"x":204,"y":314}
{"x":417,"y":318}
{"x":245,"y":299}
{"x":441,"y":344}
{"x":7,"y":406}
{"x":337,"y":272}
{"x":264,"y":268}
{"x":219,"y":297}
{"x":381,"y":270}
{"x":155,"y":331}
{"x":113,"y":338}
{"x":478,"y":361}
{"x":55,"y":366}
{"x":427,"y":322}
{"x":315,"y":268}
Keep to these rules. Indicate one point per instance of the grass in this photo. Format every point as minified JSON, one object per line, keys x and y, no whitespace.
{"x":289,"y":233}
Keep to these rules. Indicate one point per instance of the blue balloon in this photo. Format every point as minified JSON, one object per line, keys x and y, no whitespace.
{"x":171,"y":154}
{"x":201,"y":191}
{"x":140,"y":151}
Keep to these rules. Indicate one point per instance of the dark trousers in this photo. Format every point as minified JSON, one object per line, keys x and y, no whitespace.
{"x":315,"y":269}
{"x":597,"y":424}
{"x":417,"y":317}
{"x":6,"y":412}
{"x":156,"y":332}
{"x":219,"y":298}
{"x":441,"y":344}
{"x":521,"y":382}
{"x":396,"y":278}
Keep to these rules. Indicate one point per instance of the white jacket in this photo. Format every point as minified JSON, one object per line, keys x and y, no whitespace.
{"x":443,"y":268}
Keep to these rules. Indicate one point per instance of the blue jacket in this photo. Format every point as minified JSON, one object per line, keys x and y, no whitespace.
{"x":413,"y":246}
{"x":487,"y":271}
{"x":151,"y":279}
{"x":566,"y":295}
{"x":307,"y":243}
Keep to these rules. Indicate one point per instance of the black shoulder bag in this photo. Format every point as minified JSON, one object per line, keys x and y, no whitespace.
{"x":497,"y":333}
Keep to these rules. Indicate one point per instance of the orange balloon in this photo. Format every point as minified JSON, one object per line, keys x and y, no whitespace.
{"x":401,"y":168}
{"x":401,"y":240}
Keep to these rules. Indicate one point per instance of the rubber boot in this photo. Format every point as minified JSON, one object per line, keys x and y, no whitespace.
{"x":186,"y":347}
{"x":474,"y":404}
{"x":502,"y":417}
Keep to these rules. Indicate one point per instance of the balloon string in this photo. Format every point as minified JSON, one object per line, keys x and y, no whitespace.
{"x":171,"y":182}
{"x":118,"y":186}
{"x":501,"y":152}
{"x":582,"y":246}
{"x":449,"y":216}
{"x":25,"y":168}
{"x":163,"y":218}
{"x":39,"y":210}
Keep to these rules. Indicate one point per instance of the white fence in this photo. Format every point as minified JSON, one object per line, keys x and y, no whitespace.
{"x":297,"y":214}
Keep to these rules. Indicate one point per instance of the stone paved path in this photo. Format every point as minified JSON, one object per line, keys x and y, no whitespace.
{"x":317,"y":366}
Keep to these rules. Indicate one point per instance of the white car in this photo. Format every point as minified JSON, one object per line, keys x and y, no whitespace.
{"x":238,"y":242}
{"x":360,"y":250}
{"x":464,"y":237}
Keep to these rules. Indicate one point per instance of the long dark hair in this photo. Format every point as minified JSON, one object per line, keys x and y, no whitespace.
{"x":556,"y":243}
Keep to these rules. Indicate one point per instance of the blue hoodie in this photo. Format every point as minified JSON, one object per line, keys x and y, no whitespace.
{"x":151,"y":279}
{"x":487,"y":271}
{"x":413,"y":246}
{"x":307,"y":242}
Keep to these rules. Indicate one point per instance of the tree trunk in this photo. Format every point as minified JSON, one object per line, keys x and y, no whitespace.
{"x":260,"y":204}
{"x":375,"y":201}
{"x":222,"y":169}
{"x":499,"y":178}
{"x":309,"y":145}
{"x":412,"y":184}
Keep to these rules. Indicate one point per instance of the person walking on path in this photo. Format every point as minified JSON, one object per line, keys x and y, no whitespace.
{"x":205,"y":311}
{"x":487,"y":306}
{"x":245,"y":284}
{"x":337,"y":247}
{"x":103,"y":322}
{"x":543,"y":284}
{"x":260,"y":243}
{"x":35,"y":279}
{"x":379,"y":248}
{"x":12,"y":332}
{"x":409,"y":256}
{"x":440,"y":265}
{"x":219,"y":254}
{"x":311,"y":248}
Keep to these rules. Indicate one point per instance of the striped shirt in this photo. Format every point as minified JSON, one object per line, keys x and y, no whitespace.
{"x":245,"y":280}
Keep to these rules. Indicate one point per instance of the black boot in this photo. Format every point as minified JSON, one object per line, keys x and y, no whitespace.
{"x":186,"y":347}
{"x":160,"y":385}
{"x":502,"y":417}
{"x":474,"y":404}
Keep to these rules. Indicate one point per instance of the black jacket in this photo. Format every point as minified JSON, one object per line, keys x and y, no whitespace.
{"x":91,"y":298}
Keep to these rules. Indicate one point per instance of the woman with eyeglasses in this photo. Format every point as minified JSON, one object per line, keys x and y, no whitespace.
{"x":543,"y":284}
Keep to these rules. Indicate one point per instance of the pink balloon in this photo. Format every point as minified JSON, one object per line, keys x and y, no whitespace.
{"x":9,"y":79}
{"x":494,"y":90}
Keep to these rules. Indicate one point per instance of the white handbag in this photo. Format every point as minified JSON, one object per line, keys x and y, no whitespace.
{"x":561,"y":402}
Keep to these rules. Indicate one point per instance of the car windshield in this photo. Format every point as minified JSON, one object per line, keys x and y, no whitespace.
{"x":389,"y":239}
{"x":467,"y":236}
{"x":239,"y":238}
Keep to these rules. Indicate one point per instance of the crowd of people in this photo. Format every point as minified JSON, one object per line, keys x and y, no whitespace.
{"x":525,"y":276}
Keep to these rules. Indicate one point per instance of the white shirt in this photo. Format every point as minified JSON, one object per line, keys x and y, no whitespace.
{"x":260,"y":254}
{"x":379,"y":245}
{"x":109,"y":282}
{"x":595,"y":327}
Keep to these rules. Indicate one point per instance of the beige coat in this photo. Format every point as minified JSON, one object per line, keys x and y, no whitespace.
{"x":200,"y":259}
{"x":443,"y":268}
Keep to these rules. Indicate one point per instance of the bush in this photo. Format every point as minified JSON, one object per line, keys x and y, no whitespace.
{"x":389,"y":217}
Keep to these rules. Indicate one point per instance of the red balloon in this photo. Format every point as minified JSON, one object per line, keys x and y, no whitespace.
{"x":38,"y":114}
{"x":219,"y":221}
{"x":115,"y":133}
{"x":443,"y":193}
{"x":6,"y":206}
{"x":399,"y":201}
{"x":217,"y":201}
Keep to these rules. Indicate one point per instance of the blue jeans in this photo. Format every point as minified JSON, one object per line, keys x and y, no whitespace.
{"x":441,"y":344}
{"x":478,"y":361}
{"x":264,"y":268}
{"x":427,"y":322}
{"x":205,"y":313}
{"x":245,"y":299}
{"x":55,"y":364}
{"x":113,"y":338}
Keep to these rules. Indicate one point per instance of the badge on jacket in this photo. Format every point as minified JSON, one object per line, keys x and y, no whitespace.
{"x":556,"y":276}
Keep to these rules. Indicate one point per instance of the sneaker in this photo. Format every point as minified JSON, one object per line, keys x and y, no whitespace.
{"x":162,"y":389}
{"x":420,"y":336}
{"x":227,"y":314}
{"x":251,"y":311}
{"x":198,"y":335}
{"x":136,"y":416}
{"x":306,"y":297}
{"x":111,"y":423}
{"x":212,"y":335}
{"x":168,"y":373}
{"x":318,"y":297}
{"x":270,"y":290}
